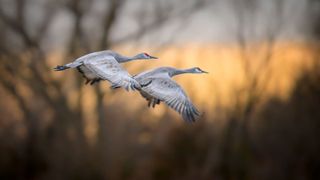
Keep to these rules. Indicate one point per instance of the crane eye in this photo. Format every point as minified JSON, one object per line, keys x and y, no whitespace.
{"x":146,"y":54}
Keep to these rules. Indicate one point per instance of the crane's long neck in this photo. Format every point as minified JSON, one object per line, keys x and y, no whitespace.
{"x":122,"y":59}
{"x":180,"y":71}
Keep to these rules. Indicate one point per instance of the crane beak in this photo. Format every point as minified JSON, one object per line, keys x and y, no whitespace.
{"x":152,"y":57}
{"x":205,"y":72}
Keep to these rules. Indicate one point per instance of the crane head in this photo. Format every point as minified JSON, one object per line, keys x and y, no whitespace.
{"x":198,"y":70}
{"x":146,"y":56}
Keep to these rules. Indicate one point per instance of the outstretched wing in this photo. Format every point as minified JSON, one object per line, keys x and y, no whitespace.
{"x":168,"y":91}
{"x":109,"y":69}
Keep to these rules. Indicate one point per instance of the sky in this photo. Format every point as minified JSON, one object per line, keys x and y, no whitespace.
{"x":215,"y":21}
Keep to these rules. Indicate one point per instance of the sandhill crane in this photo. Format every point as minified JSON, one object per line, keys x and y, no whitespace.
{"x":160,"y":87}
{"x":104,"y":65}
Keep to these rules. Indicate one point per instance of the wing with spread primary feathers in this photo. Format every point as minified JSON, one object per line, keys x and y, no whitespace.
{"x":108,"y":68}
{"x":168,"y":91}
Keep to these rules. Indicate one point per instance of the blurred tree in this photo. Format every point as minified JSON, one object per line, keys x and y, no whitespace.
{"x":256,"y":76}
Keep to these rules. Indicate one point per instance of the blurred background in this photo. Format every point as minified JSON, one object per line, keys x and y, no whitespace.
{"x":260,"y":101}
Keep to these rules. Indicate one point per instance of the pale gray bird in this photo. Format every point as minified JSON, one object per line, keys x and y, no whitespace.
{"x":160,"y":87}
{"x":104,"y":65}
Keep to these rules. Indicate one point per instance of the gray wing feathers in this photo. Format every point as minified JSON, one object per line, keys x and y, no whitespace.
{"x":109,"y":69}
{"x":183,"y":105}
{"x":173,"y":95}
{"x":89,"y":57}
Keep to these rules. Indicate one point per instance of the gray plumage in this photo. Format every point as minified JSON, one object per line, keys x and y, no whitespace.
{"x":160,"y":87}
{"x":105,"y":65}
